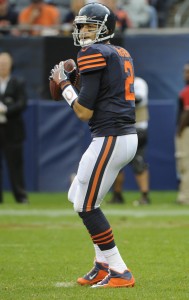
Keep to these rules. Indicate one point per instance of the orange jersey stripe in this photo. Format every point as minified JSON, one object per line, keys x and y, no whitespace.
{"x":92,"y":66}
{"x":91,"y":61}
{"x":100,"y":234}
{"x":89,"y":56}
{"x":110,"y":139}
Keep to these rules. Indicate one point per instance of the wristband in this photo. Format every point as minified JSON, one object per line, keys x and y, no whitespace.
{"x":69,"y":94}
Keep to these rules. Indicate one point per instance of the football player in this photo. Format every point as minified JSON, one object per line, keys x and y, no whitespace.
{"x":139,"y":165}
{"x":107,"y":101}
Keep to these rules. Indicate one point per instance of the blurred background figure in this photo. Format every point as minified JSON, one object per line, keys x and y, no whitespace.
{"x":8,"y":17}
{"x":75,"y":6}
{"x":13,"y":101}
{"x":139,"y":165}
{"x":162,"y":8}
{"x":123,"y":20}
{"x":141,"y":13}
{"x":182,"y":141}
{"x":153,"y":15}
{"x":39,"y":13}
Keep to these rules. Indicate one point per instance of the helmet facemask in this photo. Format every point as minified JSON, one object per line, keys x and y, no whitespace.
{"x":101,"y":31}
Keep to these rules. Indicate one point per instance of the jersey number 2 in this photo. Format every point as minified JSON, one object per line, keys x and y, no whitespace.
{"x":129,"y":81}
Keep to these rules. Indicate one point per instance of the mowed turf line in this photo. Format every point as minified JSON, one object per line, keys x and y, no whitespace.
{"x":44,"y":248}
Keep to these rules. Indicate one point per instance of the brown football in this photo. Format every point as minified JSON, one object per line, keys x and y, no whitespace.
{"x":55,"y":90}
{"x":69,"y":65}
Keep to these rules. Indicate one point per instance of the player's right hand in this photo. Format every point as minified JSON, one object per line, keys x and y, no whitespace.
{"x":58,"y":75}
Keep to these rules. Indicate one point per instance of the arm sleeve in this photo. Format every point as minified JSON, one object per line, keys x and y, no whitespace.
{"x":90,"y":89}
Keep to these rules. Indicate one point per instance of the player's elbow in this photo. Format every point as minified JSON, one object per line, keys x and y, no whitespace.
{"x":84,"y":116}
{"x":83,"y":113}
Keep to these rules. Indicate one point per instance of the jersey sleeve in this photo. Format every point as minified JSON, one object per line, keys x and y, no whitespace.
{"x":90,"y":60}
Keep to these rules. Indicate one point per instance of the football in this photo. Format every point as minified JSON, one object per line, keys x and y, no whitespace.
{"x":69,"y":65}
{"x":55,"y":90}
{"x":72,"y":72}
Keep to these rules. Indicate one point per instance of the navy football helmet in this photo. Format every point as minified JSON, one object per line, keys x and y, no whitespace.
{"x":101,"y":16}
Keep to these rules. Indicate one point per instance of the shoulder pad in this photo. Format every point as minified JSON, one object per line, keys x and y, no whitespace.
{"x":90,"y":59}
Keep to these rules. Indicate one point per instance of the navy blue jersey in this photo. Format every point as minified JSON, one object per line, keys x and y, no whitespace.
{"x":114,"y":101}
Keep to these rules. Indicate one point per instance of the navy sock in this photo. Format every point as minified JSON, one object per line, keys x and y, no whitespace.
{"x":99,"y":228}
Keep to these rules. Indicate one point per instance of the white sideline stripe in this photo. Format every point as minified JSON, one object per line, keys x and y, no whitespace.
{"x":108,"y":212}
{"x":65,"y":284}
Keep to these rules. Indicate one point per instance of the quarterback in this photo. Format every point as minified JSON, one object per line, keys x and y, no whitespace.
{"x":106,"y":100}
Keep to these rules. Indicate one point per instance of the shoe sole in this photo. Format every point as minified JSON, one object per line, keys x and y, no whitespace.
{"x":114,"y":286}
{"x":121,"y":286}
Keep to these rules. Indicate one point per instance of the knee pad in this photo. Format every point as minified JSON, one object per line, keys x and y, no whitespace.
{"x":138,"y":164}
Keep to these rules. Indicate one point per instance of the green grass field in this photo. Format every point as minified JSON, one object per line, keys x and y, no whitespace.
{"x":44,"y":248}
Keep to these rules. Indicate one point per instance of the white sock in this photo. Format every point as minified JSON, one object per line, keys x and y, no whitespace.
{"x":115,"y":260}
{"x":99,"y":255}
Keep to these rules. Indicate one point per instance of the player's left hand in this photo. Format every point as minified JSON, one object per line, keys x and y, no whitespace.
{"x":59,"y":76}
